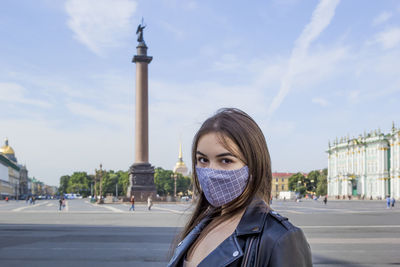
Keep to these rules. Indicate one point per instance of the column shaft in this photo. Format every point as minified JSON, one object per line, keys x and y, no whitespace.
{"x":141,"y":126}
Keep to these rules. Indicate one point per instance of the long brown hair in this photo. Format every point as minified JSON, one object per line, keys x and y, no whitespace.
{"x":237,"y":126}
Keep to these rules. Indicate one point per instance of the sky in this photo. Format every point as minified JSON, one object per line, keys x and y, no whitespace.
{"x":306,"y":71}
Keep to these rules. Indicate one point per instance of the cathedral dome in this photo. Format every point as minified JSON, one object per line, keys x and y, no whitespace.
{"x":7,"y":151}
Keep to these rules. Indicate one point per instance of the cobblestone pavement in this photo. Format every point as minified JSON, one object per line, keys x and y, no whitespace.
{"x":342,"y":233}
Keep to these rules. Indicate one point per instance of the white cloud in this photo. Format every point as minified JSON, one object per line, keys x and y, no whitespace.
{"x":103,"y":114}
{"x":50,"y":152}
{"x":178,"y":33}
{"x":388,"y":38}
{"x":100,"y":24}
{"x":320,"y":101}
{"x":227,"y":62}
{"x":15,"y":93}
{"x":321,"y":18}
{"x":382,"y":18}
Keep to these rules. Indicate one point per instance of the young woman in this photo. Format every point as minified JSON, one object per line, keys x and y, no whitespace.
{"x":232,"y":223}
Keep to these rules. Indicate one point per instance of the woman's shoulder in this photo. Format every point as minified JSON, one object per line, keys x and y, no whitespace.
{"x":283,"y":243}
{"x":276,"y":226}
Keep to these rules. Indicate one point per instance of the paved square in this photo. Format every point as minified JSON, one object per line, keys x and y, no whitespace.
{"x":342,"y":233}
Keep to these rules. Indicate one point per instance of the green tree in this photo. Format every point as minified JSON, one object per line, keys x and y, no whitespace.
{"x":64,"y":181}
{"x":183,"y":184}
{"x":298,"y":183}
{"x":123,"y":182}
{"x":79,"y":182}
{"x":322,"y":186}
{"x":313,"y":178}
{"x":163,"y":181}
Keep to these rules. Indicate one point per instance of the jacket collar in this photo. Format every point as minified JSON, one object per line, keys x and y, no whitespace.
{"x":184,"y":245}
{"x":253,"y":218}
{"x":229,"y":250}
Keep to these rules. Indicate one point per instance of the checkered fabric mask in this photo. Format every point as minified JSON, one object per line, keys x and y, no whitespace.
{"x":222,"y":186}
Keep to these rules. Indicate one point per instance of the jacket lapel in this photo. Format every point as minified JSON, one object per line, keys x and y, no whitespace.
{"x":226,"y":253}
{"x":184,"y":245}
{"x":229,"y":250}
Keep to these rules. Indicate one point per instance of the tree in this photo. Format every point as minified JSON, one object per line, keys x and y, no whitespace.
{"x":79,"y":182}
{"x":111,"y":179}
{"x":123,"y":182}
{"x":164,"y":183}
{"x":183,"y":184}
{"x":322,"y":187}
{"x":313,"y":177}
{"x":64,"y":181}
{"x":298,"y":183}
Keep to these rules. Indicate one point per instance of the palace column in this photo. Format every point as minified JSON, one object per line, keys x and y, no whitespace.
{"x":141,"y":173}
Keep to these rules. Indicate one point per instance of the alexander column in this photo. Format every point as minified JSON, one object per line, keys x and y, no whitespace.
{"x":141,"y":173}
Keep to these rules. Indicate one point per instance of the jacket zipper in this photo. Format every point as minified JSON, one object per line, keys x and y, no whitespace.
{"x":247,"y":252}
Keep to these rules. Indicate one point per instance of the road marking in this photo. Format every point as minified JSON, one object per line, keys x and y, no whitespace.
{"x":174,"y":211}
{"x":293,"y":211}
{"x":66,"y":206}
{"x":91,"y":212}
{"x":106,"y":207}
{"x":30,"y":206}
{"x":49,"y":205}
{"x":110,"y":208}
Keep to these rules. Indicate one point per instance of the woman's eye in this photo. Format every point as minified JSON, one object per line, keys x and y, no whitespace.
{"x":226,"y":161}
{"x":202,"y":160}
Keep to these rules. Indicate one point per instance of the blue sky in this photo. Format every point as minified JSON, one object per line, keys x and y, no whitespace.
{"x":307,"y":71}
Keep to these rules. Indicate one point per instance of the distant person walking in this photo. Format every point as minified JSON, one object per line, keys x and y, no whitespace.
{"x":392,"y":202}
{"x":60,"y":202}
{"x":6,"y":199}
{"x":132,"y":203}
{"x":149,"y":202}
{"x":325,"y":199}
{"x":388,"y":202}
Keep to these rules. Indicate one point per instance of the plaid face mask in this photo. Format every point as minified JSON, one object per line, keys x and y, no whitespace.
{"x":222,"y":186}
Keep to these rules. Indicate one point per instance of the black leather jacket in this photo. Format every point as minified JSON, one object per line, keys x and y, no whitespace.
{"x":262,"y":238}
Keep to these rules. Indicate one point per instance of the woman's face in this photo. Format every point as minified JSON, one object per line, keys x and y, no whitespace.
{"x":212,"y":154}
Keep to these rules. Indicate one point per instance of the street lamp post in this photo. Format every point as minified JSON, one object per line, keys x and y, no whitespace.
{"x":312,"y":185}
{"x":95,"y":184}
{"x":298,"y":187}
{"x":174,"y":176}
{"x":101,"y":184}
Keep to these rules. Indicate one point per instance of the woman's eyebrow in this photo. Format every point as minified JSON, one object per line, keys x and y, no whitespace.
{"x":226,"y":154}
{"x":198,"y":152}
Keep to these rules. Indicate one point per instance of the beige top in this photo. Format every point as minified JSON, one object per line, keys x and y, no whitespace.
{"x":217,"y":233}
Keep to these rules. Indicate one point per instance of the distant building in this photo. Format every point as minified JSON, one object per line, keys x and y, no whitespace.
{"x":367,"y":166}
{"x":280,"y":183}
{"x":7,"y":151}
{"x":180,"y":166}
{"x":9,"y":172}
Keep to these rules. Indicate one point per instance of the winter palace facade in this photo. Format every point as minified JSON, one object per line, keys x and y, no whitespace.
{"x":367,"y":166}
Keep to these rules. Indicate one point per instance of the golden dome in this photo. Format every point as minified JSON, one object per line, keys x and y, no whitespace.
{"x":6,"y":149}
{"x":180,"y":166}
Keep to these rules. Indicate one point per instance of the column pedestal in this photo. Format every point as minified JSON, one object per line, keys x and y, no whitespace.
{"x":141,"y":181}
